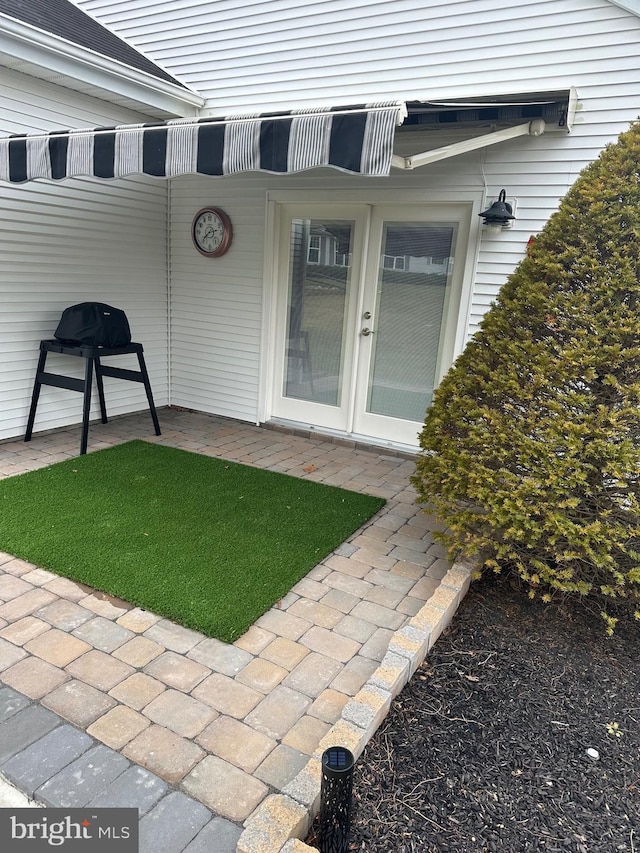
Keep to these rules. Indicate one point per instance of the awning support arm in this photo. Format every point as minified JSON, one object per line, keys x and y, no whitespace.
{"x":532,"y":128}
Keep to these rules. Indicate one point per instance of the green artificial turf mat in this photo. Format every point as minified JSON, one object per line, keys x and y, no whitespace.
{"x":207,"y":543}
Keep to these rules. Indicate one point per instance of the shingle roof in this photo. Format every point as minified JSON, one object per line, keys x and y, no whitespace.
{"x":62,"y":18}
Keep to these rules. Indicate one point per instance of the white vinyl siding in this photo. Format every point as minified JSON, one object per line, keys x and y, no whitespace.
{"x":257,"y":55}
{"x":75,"y":241}
{"x":216,"y":303}
{"x":281,"y":53}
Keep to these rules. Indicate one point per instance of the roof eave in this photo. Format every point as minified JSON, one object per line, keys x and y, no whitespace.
{"x":57,"y":56}
{"x":632,"y":6}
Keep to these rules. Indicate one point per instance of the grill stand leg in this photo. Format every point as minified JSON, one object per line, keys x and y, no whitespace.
{"x":86,"y":405}
{"x":37,"y":385}
{"x":92,"y":356}
{"x":147,"y":388}
{"x":100,"y":384}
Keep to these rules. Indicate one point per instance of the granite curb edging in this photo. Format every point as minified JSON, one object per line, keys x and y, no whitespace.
{"x":283,"y":819}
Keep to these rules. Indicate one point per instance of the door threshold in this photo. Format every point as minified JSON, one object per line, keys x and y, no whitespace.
{"x":348,"y":439}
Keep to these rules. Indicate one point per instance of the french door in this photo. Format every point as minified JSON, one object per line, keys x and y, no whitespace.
{"x":368,"y":302}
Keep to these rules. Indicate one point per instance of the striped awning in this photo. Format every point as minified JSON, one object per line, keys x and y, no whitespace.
{"x":356,"y":139}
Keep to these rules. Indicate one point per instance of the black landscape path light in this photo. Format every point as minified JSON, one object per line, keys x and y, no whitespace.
{"x":335,"y":799}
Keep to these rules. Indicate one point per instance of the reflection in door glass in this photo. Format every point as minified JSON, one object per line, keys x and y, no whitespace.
{"x":319,"y":286}
{"x":415,"y":267}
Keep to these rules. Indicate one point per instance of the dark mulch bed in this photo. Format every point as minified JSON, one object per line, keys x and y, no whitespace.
{"x":485,"y":749}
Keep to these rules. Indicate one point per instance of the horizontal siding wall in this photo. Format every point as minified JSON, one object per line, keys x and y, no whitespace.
{"x":216,"y":304}
{"x":282,"y":53}
{"x":539,"y":172}
{"x":74,"y":241}
{"x":248,"y":55}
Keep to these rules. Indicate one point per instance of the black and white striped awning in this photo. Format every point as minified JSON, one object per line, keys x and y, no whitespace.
{"x":356,"y":139}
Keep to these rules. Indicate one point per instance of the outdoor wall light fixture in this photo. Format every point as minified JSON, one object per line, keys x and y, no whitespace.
{"x":499,"y":215}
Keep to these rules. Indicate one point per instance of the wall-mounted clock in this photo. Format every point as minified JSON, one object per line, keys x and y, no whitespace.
{"x":211,"y":231}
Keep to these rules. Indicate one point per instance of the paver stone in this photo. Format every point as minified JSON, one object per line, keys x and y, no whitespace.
{"x":181,"y":713}
{"x":218,"y":836}
{"x":34,"y":677}
{"x":313,"y":674}
{"x":281,"y":766}
{"x":330,"y":644}
{"x":63,"y":614}
{"x":278,"y":711}
{"x":163,"y":752}
{"x":284,"y":652}
{"x":177,"y":671}
{"x":137,"y":690}
{"x":306,"y":734}
{"x":220,"y":657}
{"x":103,"y":634}
{"x":83,"y":779}
{"x":236,"y":743}
{"x":57,"y":647}
{"x":172,"y":823}
{"x":118,"y":726}
{"x":99,"y":669}
{"x":139,"y":651}
{"x":227,"y":790}
{"x":77,"y":702}
{"x":227,"y":695}
{"x":261,"y":675}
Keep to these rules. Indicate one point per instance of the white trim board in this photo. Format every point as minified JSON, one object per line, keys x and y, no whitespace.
{"x":632,"y":6}
{"x":49,"y":53}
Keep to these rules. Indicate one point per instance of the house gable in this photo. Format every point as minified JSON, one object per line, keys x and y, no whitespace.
{"x":55,"y":41}
{"x":65,"y":20}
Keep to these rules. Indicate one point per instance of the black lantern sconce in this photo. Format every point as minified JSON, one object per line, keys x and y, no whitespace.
{"x":499,"y":215}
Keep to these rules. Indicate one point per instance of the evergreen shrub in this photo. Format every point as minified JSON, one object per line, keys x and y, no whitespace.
{"x":531,"y":449}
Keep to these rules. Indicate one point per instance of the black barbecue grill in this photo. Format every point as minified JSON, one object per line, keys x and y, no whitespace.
{"x":91,"y":330}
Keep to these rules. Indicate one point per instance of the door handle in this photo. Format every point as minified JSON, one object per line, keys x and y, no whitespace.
{"x":366,"y":332}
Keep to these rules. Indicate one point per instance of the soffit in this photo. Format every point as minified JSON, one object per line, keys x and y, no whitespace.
{"x":50,"y":57}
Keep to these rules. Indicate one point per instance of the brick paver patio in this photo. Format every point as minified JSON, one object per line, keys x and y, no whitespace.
{"x":225,"y":724}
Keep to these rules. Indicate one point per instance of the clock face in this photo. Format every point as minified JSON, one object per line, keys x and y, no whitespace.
{"x":211,"y":232}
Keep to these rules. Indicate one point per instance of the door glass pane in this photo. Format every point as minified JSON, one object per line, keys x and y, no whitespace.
{"x":320,"y":264}
{"x":414,"y":271}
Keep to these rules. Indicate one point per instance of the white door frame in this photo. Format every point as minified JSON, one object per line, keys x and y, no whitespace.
{"x":336,"y":199}
{"x":397,"y":430}
{"x":337,"y":417}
